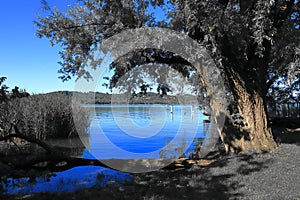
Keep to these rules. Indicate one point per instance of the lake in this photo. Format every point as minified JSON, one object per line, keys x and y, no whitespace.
{"x":123,"y":132}
{"x":142,"y":131}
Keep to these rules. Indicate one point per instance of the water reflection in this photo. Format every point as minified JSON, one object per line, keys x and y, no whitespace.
{"x":143,"y":130}
{"x":67,"y":181}
{"x":136,"y":129}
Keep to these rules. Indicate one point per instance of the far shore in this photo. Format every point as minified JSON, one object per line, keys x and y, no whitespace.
{"x":149,"y":98}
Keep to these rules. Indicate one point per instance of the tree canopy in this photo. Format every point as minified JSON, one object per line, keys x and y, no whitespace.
{"x":234,"y":32}
{"x":255,"y":44}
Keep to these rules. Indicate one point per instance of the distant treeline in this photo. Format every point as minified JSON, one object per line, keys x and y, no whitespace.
{"x":149,"y":98}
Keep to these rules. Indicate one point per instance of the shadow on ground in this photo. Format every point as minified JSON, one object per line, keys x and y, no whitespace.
{"x":219,"y":180}
{"x":286,"y":130}
{"x":286,"y":135}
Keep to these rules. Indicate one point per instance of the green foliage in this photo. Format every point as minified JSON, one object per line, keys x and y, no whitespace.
{"x":257,"y":40}
{"x":84,"y":26}
{"x":144,"y":88}
{"x":3,"y":89}
{"x":163,"y":88}
{"x":16,"y":93}
{"x":45,"y":116}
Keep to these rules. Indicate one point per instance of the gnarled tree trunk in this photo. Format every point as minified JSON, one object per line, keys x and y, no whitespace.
{"x":251,"y":132}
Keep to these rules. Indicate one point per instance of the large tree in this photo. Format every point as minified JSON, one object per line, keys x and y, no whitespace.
{"x":254,"y":43}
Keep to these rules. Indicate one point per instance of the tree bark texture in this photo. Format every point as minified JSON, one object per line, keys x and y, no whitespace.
{"x":252,"y":131}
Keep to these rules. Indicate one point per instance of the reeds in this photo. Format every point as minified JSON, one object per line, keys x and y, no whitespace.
{"x":43,"y":116}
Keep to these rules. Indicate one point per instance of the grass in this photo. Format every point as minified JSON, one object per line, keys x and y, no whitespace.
{"x":45,"y":116}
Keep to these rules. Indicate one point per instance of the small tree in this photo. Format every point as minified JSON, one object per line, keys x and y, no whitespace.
{"x":163,"y":88}
{"x":144,"y":88}
{"x":15,"y":93}
{"x":3,"y":89}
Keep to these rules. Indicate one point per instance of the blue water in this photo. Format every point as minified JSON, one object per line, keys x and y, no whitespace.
{"x":137,"y":131}
{"x":67,"y":181}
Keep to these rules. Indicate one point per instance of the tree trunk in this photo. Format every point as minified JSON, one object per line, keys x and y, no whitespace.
{"x":248,"y":131}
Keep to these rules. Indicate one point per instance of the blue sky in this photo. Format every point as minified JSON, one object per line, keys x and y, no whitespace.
{"x":26,"y":60}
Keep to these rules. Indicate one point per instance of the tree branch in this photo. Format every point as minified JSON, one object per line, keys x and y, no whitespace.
{"x":224,"y":3}
{"x":246,"y":5}
{"x":18,"y":134}
{"x":285,"y":11}
{"x":83,"y":25}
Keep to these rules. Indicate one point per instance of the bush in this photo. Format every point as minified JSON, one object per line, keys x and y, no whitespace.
{"x":45,"y":116}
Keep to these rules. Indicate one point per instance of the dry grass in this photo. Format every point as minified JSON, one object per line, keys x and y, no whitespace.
{"x":44,"y":116}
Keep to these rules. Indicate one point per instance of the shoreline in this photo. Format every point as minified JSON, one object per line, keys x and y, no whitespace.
{"x":249,"y":176}
{"x":271,"y":175}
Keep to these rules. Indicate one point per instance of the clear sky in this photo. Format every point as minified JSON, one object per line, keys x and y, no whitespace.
{"x":27,"y":61}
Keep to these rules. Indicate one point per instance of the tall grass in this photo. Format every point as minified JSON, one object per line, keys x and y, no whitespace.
{"x":45,"y":116}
